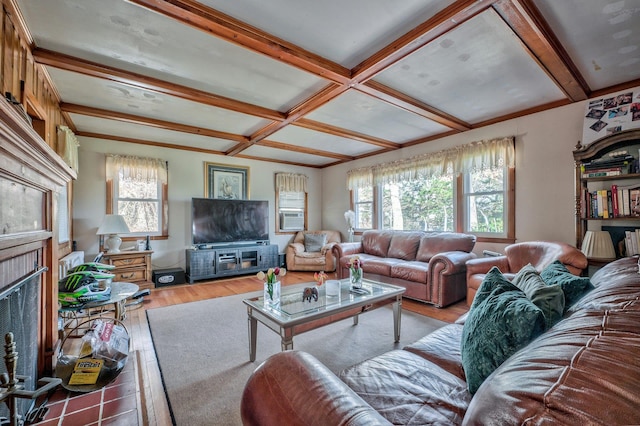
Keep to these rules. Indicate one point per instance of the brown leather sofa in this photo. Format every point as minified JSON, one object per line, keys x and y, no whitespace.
{"x":582,"y":371}
{"x":540,"y":254}
{"x":430,"y":265}
{"x":322,"y":259}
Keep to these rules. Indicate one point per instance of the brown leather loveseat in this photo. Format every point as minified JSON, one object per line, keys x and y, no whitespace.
{"x":430,"y":265}
{"x":537,"y":253}
{"x":584,"y":370}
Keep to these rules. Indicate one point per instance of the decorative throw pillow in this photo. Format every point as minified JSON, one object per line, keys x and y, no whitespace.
{"x":549,"y":298}
{"x":573,"y":286}
{"x":314,"y":242}
{"x":501,"y":321}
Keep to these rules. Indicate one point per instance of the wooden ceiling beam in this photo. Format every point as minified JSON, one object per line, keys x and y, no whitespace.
{"x":151,"y":122}
{"x":318,"y":99}
{"x":139,"y":81}
{"x":400,"y":100}
{"x":147,"y":142}
{"x":304,"y":150}
{"x":344,"y":133}
{"x":526,"y":21}
{"x":211,"y":21}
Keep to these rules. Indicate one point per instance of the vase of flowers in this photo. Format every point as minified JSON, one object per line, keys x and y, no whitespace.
{"x":355,"y":272}
{"x":272,"y":286}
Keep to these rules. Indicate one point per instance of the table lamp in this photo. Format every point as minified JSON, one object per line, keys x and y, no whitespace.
{"x":112,"y":225}
{"x":597,"y":245}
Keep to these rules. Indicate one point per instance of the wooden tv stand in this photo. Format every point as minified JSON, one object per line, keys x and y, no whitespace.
{"x":229,"y":260}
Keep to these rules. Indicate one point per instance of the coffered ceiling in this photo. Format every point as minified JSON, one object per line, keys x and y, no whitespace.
{"x":316,"y":83}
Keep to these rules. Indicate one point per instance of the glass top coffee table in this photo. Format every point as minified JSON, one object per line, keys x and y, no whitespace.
{"x":295,"y":316}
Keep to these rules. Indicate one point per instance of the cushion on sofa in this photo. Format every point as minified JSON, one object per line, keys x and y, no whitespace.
{"x":433,"y":243}
{"x":441,"y":347}
{"x":404,"y":245}
{"x":501,"y":321}
{"x":376,"y":242}
{"x":408,"y":390}
{"x":573,"y":286}
{"x":411,"y":271}
{"x":314,"y":242}
{"x":549,"y":298}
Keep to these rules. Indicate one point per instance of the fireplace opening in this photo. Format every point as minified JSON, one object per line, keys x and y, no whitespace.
{"x":19,"y":307}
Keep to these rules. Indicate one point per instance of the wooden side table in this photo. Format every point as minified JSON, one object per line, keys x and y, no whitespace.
{"x":131,"y":266}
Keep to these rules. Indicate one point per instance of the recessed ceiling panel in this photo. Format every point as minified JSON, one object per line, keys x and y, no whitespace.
{"x":295,"y":135}
{"x":287,"y":156}
{"x":362,"y":113}
{"x":122,"y":35}
{"x":151,"y":134}
{"x":346,"y":32}
{"x":601,"y":37}
{"x":476,"y":72}
{"x":98,"y":93}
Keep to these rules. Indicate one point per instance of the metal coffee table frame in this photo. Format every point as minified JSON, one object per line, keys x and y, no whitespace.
{"x":295,"y":316}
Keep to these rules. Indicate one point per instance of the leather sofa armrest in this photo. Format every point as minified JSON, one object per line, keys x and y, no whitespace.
{"x":293,"y":387}
{"x":482,"y":265}
{"x":450,"y":262}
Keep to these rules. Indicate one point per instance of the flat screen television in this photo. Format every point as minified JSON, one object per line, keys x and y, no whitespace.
{"x":220,"y":221}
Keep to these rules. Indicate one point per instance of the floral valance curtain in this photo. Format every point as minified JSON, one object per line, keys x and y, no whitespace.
{"x":480,"y":155}
{"x":291,"y":182}
{"x":136,"y":168}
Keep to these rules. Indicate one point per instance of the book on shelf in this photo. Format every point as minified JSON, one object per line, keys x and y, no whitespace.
{"x":617,"y":202}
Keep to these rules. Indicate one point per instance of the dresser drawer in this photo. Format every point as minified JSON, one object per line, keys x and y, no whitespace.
{"x":129,"y":261}
{"x":132,"y":275}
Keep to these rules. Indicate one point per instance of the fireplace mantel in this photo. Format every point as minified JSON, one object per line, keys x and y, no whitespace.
{"x":31,"y":174}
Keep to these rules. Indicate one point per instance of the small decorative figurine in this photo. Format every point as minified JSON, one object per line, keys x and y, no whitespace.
{"x":310,"y":293}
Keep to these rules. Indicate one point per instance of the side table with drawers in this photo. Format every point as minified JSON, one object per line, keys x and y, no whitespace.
{"x":131,"y":266}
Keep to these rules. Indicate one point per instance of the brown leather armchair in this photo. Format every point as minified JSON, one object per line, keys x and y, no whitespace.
{"x":320,"y":258}
{"x":538,"y":253}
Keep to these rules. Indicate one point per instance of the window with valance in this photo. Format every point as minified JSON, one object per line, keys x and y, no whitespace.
{"x":466,"y":188}
{"x":291,"y":202}
{"x":137,"y":189}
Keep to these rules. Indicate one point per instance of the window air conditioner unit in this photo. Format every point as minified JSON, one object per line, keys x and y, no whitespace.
{"x":291,"y":221}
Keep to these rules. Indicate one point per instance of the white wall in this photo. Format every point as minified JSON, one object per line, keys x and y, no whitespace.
{"x":544,"y":173}
{"x":186,"y":180}
{"x":544,"y":183}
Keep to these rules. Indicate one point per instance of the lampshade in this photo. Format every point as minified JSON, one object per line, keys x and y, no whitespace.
{"x":112,"y":225}
{"x":598,"y":245}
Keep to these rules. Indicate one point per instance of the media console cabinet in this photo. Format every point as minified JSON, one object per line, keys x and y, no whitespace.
{"x":229,"y":260}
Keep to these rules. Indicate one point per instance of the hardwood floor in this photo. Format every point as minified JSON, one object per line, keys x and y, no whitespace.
{"x":153,"y":409}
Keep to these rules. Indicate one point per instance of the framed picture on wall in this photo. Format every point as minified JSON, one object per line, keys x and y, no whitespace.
{"x":222,"y":181}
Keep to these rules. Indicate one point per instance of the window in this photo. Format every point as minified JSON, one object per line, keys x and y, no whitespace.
{"x":484,"y":200}
{"x":422,"y":193}
{"x":363,"y":208}
{"x":291,"y":202}
{"x":419,"y":205}
{"x":138,"y":191}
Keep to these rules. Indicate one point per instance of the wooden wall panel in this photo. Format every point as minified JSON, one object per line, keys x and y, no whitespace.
{"x":32,"y":149}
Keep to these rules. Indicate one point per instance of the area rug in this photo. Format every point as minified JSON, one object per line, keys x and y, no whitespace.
{"x":203,"y":351}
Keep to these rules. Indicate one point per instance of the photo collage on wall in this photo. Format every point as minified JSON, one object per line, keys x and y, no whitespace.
{"x":611,"y":114}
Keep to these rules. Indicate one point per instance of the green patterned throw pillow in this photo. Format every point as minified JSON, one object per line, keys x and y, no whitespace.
{"x":573,"y":286}
{"x":501,"y":321}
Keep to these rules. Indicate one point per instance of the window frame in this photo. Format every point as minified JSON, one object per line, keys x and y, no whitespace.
{"x":461,"y":209}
